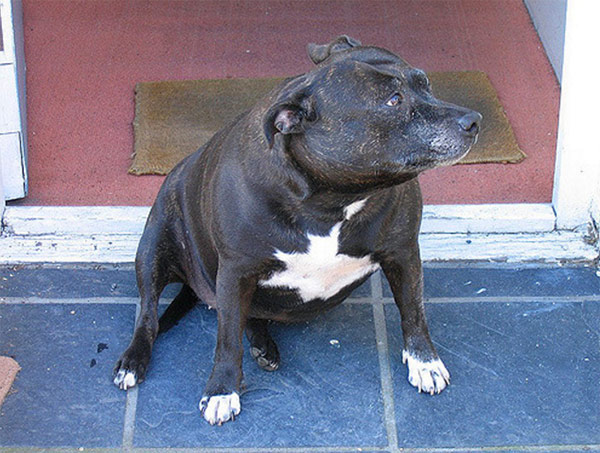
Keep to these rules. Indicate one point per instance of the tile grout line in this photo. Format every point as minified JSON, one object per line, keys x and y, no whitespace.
{"x":459,"y":449}
{"x":122,"y":300}
{"x":111,"y":300}
{"x":34,"y":300}
{"x":511,"y":299}
{"x":376,"y":286}
{"x":428,"y":264}
{"x":130,"y":406}
{"x":129,"y":422}
{"x":267,"y":449}
{"x":387,"y":389}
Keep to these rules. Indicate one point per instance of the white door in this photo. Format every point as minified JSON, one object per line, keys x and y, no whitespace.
{"x":13,"y":137}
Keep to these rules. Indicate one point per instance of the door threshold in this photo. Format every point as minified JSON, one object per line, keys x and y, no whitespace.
{"x":511,"y":233}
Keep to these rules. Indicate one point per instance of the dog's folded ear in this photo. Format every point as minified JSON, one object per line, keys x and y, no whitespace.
{"x":289,"y":114}
{"x":320,"y":52}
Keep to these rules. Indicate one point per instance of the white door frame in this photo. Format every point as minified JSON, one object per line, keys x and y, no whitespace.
{"x":577,"y":174}
{"x":13,"y":134}
{"x":2,"y":202}
{"x":547,"y":232}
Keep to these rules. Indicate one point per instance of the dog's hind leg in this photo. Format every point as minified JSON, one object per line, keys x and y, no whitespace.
{"x":262,"y":347}
{"x":177,"y":309}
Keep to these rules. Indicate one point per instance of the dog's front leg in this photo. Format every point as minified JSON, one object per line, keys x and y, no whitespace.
{"x":425,"y":369}
{"x":221,"y":398}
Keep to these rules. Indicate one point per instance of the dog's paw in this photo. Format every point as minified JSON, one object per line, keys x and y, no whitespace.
{"x":431,"y":377}
{"x":125,"y":379}
{"x":130,"y":370}
{"x":218,"y":409}
{"x":268,"y":360}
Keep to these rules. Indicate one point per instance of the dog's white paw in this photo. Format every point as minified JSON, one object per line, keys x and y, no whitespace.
{"x":430,"y":377}
{"x":218,"y":409}
{"x":125,"y":379}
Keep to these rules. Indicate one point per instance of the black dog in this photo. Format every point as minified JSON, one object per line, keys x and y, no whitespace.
{"x":293,"y":205}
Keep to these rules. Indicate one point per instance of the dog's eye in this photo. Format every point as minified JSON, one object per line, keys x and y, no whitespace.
{"x":394,"y":100}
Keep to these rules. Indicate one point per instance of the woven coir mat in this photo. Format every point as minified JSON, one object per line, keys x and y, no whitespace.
{"x":174,"y":118}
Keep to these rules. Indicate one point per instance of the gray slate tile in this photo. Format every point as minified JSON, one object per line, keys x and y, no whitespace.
{"x":323,"y":394}
{"x":465,"y":281}
{"x":83,"y":283}
{"x":522,"y":374}
{"x":63,"y":395}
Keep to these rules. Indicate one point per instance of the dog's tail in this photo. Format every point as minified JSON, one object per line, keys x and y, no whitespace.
{"x":177,"y":309}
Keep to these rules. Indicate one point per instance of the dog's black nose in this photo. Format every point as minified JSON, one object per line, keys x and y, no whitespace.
{"x":470,"y":123}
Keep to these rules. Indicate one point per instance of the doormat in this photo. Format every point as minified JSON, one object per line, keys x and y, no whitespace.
{"x":8,"y":371}
{"x":174,"y":118}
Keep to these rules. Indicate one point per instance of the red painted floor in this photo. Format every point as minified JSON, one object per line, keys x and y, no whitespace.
{"x":85,"y":57}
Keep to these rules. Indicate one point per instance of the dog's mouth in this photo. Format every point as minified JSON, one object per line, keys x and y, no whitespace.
{"x":449,"y":143}
{"x":450,"y":153}
{"x":433,"y":158}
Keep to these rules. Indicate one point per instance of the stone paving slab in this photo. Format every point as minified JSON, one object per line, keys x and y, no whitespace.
{"x":521,"y":374}
{"x":63,"y":395}
{"x":327,"y":391}
{"x":524,"y":356}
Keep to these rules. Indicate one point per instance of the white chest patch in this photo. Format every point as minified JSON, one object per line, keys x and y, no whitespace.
{"x":321,"y":272}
